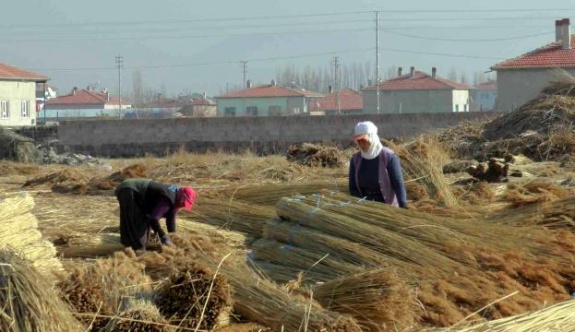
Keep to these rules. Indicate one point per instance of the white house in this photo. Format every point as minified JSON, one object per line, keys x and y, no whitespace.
{"x":18,"y":96}
{"x":417,"y":92}
{"x":522,"y":78}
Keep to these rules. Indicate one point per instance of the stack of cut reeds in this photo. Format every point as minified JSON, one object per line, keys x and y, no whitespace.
{"x":20,"y":232}
{"x":232,"y":214}
{"x":29,"y":302}
{"x":557,"y":317}
{"x":95,"y":290}
{"x":328,"y":235}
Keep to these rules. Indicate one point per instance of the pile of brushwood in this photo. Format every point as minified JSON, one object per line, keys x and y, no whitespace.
{"x":314,"y":155}
{"x":541,"y":129}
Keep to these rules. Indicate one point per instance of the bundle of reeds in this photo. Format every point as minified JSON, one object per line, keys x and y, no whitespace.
{"x":29,"y":302}
{"x":20,"y":232}
{"x":306,"y":212}
{"x":301,"y":259}
{"x":422,"y":160}
{"x":139,"y":315}
{"x":378,"y":299}
{"x":233,"y":215}
{"x":269,"y":194}
{"x":557,"y":317}
{"x":260,"y":300}
{"x":323,"y":244}
{"x":95,"y":290}
{"x":255,"y":298}
{"x":195,"y":297}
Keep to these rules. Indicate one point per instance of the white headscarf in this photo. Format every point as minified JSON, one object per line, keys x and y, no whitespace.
{"x":370,"y":130}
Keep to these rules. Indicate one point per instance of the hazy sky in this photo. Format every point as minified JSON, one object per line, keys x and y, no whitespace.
{"x":181,"y":46}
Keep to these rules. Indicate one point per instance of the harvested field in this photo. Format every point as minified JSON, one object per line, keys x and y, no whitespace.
{"x":276,"y":243}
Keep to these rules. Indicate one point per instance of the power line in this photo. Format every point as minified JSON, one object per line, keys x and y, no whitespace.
{"x":276,"y":17}
{"x":452,"y":55}
{"x":468,"y":39}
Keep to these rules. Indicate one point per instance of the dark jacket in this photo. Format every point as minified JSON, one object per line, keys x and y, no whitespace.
{"x":151,"y":197}
{"x":379,"y":179}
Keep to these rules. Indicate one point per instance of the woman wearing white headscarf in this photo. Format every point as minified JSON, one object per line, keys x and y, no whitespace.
{"x":375,"y":170}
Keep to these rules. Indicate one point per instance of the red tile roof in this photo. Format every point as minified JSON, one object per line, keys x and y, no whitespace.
{"x":419,"y":81}
{"x":13,"y":73}
{"x":489,"y":85}
{"x":349,"y":100}
{"x":264,"y":91}
{"x":550,"y":55}
{"x":84,"y":97}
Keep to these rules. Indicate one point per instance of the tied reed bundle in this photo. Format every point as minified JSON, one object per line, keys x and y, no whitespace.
{"x":139,"y":315}
{"x":195,"y":297}
{"x":301,"y":259}
{"x":270,"y":193}
{"x":378,"y":299}
{"x":558,"y":317}
{"x":234,"y":215}
{"x":260,"y":300}
{"x":256,"y":299}
{"x":321,"y":243}
{"x":20,"y":232}
{"x":29,"y":302}
{"x":95,"y":290}
{"x":305,"y":212}
{"x":423,"y":160}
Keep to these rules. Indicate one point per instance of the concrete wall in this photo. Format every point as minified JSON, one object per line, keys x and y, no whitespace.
{"x":518,"y":86}
{"x":14,"y":93}
{"x":261,"y":135}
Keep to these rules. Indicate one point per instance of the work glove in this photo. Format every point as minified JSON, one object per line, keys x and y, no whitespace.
{"x":166,"y":241}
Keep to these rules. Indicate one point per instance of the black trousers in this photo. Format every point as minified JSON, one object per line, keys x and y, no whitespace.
{"x":134,"y":225}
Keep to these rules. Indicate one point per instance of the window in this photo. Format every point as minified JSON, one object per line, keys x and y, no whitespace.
{"x":274,"y":110}
{"x":230,"y":111}
{"x":252,"y":110}
{"x":25,"y":108}
{"x":4,"y":109}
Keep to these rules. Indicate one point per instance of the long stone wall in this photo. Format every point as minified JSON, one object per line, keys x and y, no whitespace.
{"x":261,"y":135}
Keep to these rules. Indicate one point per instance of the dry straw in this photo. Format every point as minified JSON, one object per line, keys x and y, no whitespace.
{"x":138,"y":315}
{"x":29,"y":302}
{"x":555,"y":318}
{"x":20,"y":232}
{"x":301,"y":259}
{"x":378,"y":299}
{"x":195,"y":297}
{"x":95,"y":290}
{"x":256,"y":298}
{"x":233,"y":215}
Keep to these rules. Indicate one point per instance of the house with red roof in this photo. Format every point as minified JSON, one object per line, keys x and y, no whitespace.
{"x":85,"y":103}
{"x":416,"y":92}
{"x":18,"y":96}
{"x":522,"y":78}
{"x":483,"y":96}
{"x":266,"y":100}
{"x":346,"y":101}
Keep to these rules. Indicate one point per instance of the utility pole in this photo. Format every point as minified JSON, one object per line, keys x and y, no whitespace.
{"x":244,"y":71}
{"x":336,"y":83}
{"x":119,"y":62}
{"x":377,"y":59}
